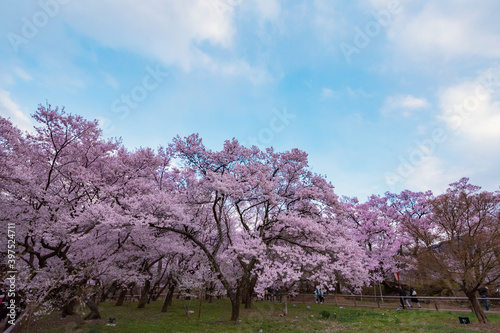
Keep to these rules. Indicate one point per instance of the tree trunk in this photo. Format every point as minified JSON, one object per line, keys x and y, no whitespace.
{"x":93,"y":304}
{"x":235,"y":309}
{"x":157,"y":295}
{"x":121,"y":297}
{"x":476,"y":307}
{"x":111,"y":289}
{"x":69,"y":308}
{"x":248,"y":288}
{"x":168,"y":298}
{"x":235,"y":304}
{"x":285,"y":305}
{"x":144,"y":295}
{"x":165,"y":304}
{"x":209,"y":291}
{"x":171,"y":294}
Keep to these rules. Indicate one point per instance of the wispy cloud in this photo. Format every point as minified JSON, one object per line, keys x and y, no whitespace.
{"x":447,"y":28}
{"x":433,"y":174}
{"x":328,"y":93}
{"x":9,"y":109}
{"x":170,"y":30}
{"x":21,"y":73}
{"x":111,"y":80}
{"x":403,"y":104}
{"x":472,"y":108}
{"x":268,"y":9}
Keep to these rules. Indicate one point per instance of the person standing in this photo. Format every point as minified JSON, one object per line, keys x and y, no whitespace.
{"x":321,"y":297}
{"x":483,"y":293}
{"x":318,"y":295}
{"x":414,"y":299}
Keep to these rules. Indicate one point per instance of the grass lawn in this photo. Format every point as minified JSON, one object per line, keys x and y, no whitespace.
{"x":264,"y":317}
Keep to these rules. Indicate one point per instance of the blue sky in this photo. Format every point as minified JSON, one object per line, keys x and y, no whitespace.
{"x":382,"y":95}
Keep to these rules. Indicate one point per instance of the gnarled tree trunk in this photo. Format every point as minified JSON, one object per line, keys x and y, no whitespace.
{"x":168,"y":298}
{"x":235,"y":298}
{"x":105,"y":292}
{"x":93,"y":304}
{"x":248,"y":289}
{"x":144,"y":294}
{"x":121,"y":297}
{"x":476,"y":307}
{"x":69,"y":308}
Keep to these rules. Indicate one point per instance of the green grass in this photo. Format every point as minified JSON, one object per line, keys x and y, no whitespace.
{"x":264,"y":316}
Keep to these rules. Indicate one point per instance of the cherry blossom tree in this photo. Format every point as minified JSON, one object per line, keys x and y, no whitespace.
{"x":378,"y":232}
{"x":456,"y":235}
{"x":238,"y":203}
{"x":93,"y":218}
{"x":54,"y":205}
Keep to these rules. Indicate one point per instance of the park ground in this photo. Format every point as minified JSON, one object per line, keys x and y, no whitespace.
{"x":265,"y":317}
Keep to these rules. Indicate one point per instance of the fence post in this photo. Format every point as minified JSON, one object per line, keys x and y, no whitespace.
{"x":436,"y":305}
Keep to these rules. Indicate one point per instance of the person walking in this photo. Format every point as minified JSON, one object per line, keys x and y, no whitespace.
{"x":414,"y":299}
{"x":400,"y":292}
{"x":402,"y":297}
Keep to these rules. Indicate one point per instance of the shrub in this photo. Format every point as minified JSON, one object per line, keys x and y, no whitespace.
{"x":325,"y":314}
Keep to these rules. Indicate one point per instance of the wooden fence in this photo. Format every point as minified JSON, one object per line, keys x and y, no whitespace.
{"x":459,"y":304}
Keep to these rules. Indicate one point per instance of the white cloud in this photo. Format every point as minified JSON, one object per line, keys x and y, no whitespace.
{"x":168,"y":30}
{"x":404,"y":104}
{"x":268,"y":9}
{"x":329,"y":23}
{"x":242,"y":68}
{"x":111,"y":80}
{"x":357,"y":92}
{"x":432,"y":173}
{"x":347,"y":91}
{"x":328,"y":93}
{"x":448,"y":28}
{"x":9,"y":109}
{"x":21,"y":73}
{"x":471,"y":109}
